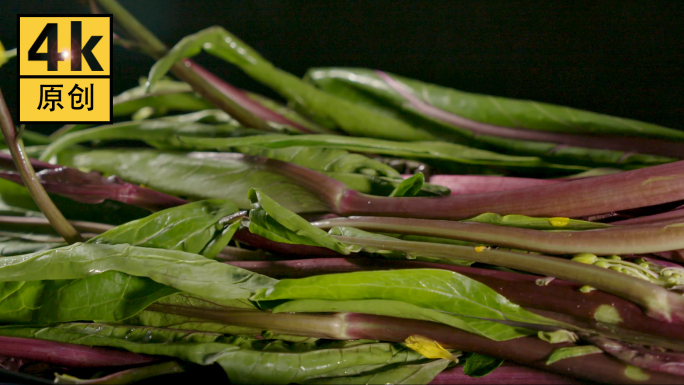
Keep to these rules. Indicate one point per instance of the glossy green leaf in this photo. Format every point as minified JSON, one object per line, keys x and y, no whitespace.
{"x":111,"y":282}
{"x":273,"y":221}
{"x":410,"y":186}
{"x":163,"y":133}
{"x":401,"y":309}
{"x":352,"y":118}
{"x":166,"y":95}
{"x":244,"y":360}
{"x":194,"y":228}
{"x":449,"y":157}
{"x":370,"y":176}
{"x":196,"y":176}
{"x":439,"y":290}
{"x":480,"y":365}
{"x":570,"y":352}
{"x":365,"y":88}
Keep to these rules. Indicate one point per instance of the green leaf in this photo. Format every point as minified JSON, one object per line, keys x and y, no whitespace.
{"x":245,"y":360}
{"x":111,"y":282}
{"x":448,"y":157}
{"x":480,"y":365}
{"x":391,"y":308}
{"x":167,"y":133}
{"x":433,"y":289}
{"x":410,"y":186}
{"x":570,"y":352}
{"x":365,"y":88}
{"x":166,"y":95}
{"x":163,"y":133}
{"x":537,"y":223}
{"x":275,"y":222}
{"x":194,"y":227}
{"x":422,"y":373}
{"x":110,"y":295}
{"x":352,"y":118}
{"x":196,"y":176}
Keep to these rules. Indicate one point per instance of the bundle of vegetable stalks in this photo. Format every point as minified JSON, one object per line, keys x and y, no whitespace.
{"x":372,"y":229}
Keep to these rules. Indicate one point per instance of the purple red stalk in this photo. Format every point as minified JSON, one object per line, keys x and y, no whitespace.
{"x":605,"y":142}
{"x":475,"y":184}
{"x":637,"y":355}
{"x":78,"y":356}
{"x":241,"y":98}
{"x":283,"y":249}
{"x":668,"y":216}
{"x":626,"y":190}
{"x":630,"y":189}
{"x":94,"y":188}
{"x":528,"y":351}
{"x":558,"y":296}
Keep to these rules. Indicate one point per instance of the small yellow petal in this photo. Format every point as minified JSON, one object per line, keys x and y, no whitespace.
{"x":480,"y":249}
{"x":429,"y":348}
{"x":559,"y":221}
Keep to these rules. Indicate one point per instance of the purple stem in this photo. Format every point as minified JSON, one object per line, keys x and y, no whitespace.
{"x":637,"y":355}
{"x":239,"y":97}
{"x":529,"y":351}
{"x":6,"y":162}
{"x":605,"y":142}
{"x":60,"y":353}
{"x":475,"y":184}
{"x":558,"y":296}
{"x":507,"y":373}
{"x":282,"y":249}
{"x":669,"y":216}
{"x":94,"y":188}
{"x":626,"y":190}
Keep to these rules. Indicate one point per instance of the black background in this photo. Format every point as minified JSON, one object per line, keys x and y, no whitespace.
{"x":617,"y":57}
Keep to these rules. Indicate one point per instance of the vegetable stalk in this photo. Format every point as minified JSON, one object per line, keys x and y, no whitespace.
{"x":636,"y":239}
{"x":201,"y":84}
{"x":28,"y":176}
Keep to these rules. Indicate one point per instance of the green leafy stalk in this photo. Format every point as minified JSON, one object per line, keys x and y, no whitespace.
{"x":658,"y":302}
{"x":607,"y":241}
{"x":111,"y":282}
{"x":245,"y":360}
{"x":353,"y":118}
{"x":28,"y":176}
{"x":556,"y":133}
{"x":156,"y":48}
